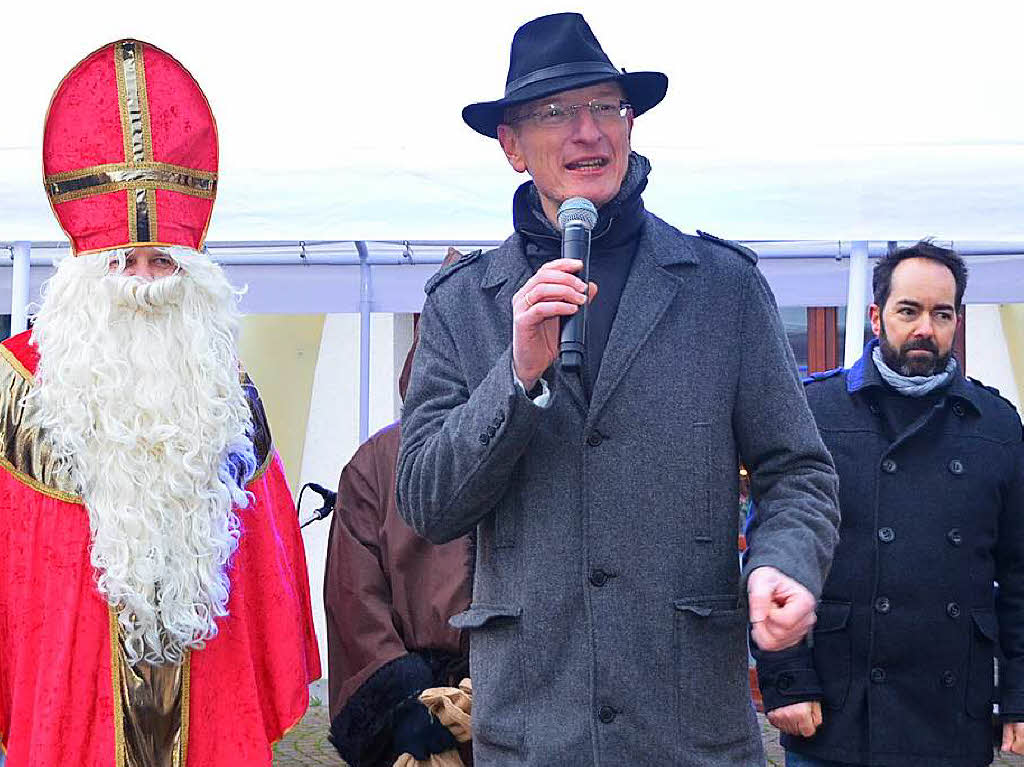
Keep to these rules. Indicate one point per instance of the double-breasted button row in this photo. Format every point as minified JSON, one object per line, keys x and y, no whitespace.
{"x":956,"y":466}
{"x":492,"y":429}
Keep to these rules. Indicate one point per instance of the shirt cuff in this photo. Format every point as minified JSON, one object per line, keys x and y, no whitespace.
{"x":542,"y":399}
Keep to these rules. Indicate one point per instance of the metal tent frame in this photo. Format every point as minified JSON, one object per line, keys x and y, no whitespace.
{"x":391,"y":274}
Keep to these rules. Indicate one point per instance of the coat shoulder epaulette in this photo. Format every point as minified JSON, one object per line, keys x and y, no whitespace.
{"x":993,"y":390}
{"x":822,"y":376}
{"x":743,"y":250}
{"x":445,"y":272}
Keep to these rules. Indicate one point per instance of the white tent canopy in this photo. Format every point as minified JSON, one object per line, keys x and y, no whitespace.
{"x":802,"y":120}
{"x":803,"y":126}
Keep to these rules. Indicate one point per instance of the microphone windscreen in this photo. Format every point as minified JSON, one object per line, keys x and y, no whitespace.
{"x":577,"y":209}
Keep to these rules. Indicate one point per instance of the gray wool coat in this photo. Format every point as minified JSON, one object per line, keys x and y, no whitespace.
{"x":608,"y":619}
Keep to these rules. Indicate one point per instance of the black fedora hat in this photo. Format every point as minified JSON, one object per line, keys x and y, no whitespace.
{"x":558,"y":53}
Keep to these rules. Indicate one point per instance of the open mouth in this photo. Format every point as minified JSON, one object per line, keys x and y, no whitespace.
{"x":594,"y":163}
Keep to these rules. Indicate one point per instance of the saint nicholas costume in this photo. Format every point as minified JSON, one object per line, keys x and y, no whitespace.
{"x":130,"y":160}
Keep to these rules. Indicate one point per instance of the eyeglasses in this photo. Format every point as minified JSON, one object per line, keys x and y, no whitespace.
{"x":558,"y":115}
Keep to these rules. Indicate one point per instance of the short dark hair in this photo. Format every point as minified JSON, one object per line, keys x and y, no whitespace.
{"x":881,"y":280}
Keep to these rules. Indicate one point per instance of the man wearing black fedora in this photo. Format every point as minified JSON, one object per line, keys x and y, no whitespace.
{"x":609,"y":617}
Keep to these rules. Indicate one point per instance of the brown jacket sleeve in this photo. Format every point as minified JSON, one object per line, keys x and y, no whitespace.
{"x":388,"y":595}
{"x":361,"y":634}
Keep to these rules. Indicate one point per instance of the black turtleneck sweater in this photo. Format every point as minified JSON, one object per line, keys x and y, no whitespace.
{"x":613,"y":244}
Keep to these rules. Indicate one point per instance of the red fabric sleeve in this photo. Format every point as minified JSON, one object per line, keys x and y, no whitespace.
{"x":56,"y":696}
{"x":250,"y":684}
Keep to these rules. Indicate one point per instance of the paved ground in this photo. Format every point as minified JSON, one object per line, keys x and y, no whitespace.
{"x":307,"y":744}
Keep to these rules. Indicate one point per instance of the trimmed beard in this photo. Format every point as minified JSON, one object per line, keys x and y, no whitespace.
{"x":901,"y":361}
{"x":138,"y":395}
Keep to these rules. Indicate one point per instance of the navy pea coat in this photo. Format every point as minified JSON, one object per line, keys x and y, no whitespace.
{"x":608,"y":621}
{"x":909,"y":620}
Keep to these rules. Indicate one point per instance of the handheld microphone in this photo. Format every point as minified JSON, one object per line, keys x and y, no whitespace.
{"x":576,"y":217}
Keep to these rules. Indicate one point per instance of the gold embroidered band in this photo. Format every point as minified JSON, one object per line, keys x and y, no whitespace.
{"x":101,"y":179}
{"x":138,"y":139}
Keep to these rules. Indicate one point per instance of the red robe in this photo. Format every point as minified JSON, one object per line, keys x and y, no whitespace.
{"x":241,"y":693}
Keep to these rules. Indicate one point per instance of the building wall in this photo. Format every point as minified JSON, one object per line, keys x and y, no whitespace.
{"x":280,"y":352}
{"x":992,"y":344}
{"x":1012,"y":316}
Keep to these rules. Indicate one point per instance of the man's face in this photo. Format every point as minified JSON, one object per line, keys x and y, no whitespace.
{"x":148,"y":263}
{"x":917,"y":325}
{"x":587,"y":157}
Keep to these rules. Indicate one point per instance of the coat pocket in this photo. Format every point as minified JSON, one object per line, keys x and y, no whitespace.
{"x":833,"y":655}
{"x":496,"y":667}
{"x":713,"y":705}
{"x":981,"y":669}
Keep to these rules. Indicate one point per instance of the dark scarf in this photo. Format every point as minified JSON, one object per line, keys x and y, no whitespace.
{"x":613,"y":245}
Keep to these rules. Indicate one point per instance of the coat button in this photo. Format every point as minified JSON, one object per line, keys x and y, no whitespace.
{"x":484,"y":439}
{"x":491,"y":431}
{"x":956,"y":467}
{"x":954,"y":537}
{"x":598,"y":577}
{"x":889,"y":466}
{"x":958,"y":410}
{"x":607,"y":714}
{"x":953,"y":610}
{"x":498,"y":421}
{"x":886,"y":535}
{"x":882,"y":605}
{"x":878,"y":675}
{"x":948,"y":679}
{"x":874,"y":408}
{"x":594,"y":439}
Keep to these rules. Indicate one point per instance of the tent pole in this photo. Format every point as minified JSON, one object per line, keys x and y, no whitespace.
{"x":21,"y":253}
{"x":856,"y":302}
{"x":365,"y":284}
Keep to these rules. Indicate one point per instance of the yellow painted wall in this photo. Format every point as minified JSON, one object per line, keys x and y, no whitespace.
{"x":1012,"y":316}
{"x":279,"y":352}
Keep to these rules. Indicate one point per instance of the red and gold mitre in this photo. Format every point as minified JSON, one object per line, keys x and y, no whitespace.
{"x":130,"y":151}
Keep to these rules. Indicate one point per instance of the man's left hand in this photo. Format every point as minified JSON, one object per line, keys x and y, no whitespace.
{"x":781,"y":610}
{"x":1013,"y":738}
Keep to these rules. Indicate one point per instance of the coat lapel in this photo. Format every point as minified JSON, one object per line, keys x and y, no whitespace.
{"x":649,"y":290}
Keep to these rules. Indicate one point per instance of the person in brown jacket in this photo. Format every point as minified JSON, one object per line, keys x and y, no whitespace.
{"x":388,"y":595}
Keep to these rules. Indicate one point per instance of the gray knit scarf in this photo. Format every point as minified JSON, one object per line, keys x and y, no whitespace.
{"x":912,"y":386}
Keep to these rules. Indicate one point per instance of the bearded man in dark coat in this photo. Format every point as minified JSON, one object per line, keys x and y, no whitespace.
{"x":932,"y":493}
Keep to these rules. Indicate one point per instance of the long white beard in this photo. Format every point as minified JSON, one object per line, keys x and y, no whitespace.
{"x":138,"y":392}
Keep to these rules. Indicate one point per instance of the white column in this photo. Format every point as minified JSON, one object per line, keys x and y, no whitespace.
{"x":856,"y":302}
{"x":21,"y":253}
{"x":333,"y":431}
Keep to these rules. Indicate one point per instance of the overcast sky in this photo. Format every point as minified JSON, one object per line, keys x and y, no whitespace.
{"x":783,"y":119}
